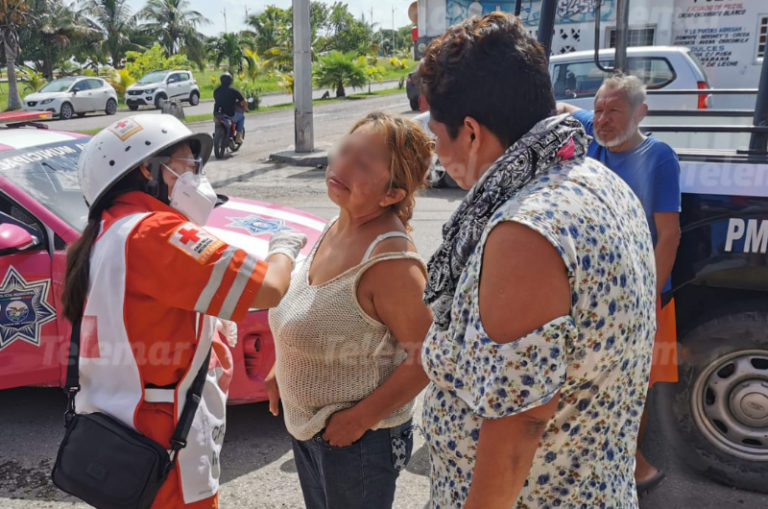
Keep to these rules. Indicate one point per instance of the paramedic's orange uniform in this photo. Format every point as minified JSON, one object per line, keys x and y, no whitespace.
{"x":164,"y":284}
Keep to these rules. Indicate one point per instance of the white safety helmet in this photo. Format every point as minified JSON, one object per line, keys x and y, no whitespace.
{"x":119,"y":148}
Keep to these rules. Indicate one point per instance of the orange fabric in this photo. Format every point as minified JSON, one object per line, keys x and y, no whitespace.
{"x":164,"y":281}
{"x":664,"y":365}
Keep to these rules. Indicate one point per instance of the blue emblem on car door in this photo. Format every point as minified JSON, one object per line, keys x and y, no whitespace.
{"x":24,"y":308}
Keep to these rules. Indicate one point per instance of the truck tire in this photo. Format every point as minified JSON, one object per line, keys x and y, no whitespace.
{"x":716,"y":416}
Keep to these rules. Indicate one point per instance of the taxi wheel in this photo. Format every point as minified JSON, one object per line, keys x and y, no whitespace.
{"x":715,"y":417}
{"x":66,"y":111}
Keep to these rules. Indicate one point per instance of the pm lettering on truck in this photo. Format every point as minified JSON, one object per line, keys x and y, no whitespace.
{"x":753,"y":231}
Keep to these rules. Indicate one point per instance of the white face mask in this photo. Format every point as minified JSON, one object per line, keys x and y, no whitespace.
{"x":193,"y":196}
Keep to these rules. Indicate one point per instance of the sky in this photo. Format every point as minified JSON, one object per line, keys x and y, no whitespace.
{"x":236,"y":9}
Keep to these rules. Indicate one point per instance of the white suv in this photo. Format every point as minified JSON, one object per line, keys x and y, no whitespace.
{"x":159,"y":86}
{"x":576,"y":78}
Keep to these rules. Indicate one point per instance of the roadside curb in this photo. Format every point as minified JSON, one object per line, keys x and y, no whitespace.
{"x":316,"y":159}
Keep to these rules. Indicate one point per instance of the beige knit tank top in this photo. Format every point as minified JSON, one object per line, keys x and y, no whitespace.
{"x":329,"y":353}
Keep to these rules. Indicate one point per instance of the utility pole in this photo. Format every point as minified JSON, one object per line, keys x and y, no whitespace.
{"x":224,"y":12}
{"x":394,"y":35}
{"x":302,"y":78}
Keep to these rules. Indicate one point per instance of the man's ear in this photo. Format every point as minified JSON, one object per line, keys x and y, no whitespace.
{"x":641,"y":112}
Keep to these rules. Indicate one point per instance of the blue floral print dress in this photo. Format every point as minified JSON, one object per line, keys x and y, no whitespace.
{"x":598,"y":356}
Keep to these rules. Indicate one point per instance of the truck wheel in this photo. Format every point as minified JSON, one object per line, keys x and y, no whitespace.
{"x":716,"y":416}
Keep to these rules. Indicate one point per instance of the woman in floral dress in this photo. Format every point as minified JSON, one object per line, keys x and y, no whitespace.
{"x":542,"y":290}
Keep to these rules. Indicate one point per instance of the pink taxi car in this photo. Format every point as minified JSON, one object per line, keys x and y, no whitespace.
{"x":42,"y":211}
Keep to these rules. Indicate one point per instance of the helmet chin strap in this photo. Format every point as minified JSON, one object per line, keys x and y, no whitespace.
{"x":156,"y":185}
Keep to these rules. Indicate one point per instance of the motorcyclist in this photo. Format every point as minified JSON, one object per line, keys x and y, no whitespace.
{"x":230,"y":102}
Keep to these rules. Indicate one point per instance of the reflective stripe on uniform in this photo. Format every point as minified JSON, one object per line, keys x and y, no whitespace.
{"x":236,"y":290}
{"x":155,"y":395}
{"x":214,"y":282}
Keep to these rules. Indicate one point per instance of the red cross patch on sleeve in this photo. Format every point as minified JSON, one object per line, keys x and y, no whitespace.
{"x":195,"y":242}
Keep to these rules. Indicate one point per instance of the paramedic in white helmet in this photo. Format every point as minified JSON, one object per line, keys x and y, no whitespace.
{"x":147,"y":281}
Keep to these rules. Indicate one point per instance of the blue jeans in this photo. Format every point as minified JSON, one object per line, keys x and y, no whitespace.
{"x":361,"y":475}
{"x":239,"y":119}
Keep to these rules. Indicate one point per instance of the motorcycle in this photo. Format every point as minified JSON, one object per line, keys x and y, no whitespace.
{"x":225,"y":136}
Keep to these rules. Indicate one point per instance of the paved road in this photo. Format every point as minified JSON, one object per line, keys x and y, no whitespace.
{"x":99,"y":120}
{"x":258,"y":469}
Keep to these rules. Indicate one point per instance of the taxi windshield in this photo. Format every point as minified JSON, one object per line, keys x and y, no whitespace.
{"x":48,"y":173}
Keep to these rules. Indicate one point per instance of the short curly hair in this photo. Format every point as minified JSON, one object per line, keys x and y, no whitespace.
{"x":490,"y":69}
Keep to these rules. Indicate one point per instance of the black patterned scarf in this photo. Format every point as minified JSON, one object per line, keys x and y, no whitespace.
{"x":550,"y":141}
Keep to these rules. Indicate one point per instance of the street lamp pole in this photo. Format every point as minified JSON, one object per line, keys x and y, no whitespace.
{"x":302,"y":78}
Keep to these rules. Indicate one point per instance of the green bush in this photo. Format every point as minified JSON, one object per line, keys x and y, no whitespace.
{"x":120,"y":79}
{"x":254,"y":92}
{"x":140,"y":63}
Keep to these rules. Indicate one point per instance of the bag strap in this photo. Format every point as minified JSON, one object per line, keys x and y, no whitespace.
{"x":72,"y":384}
{"x":179,"y":438}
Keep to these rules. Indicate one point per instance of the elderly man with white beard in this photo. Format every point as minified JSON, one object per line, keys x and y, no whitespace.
{"x":651,"y":169}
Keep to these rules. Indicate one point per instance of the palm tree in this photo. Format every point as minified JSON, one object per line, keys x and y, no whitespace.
{"x":234,"y":49}
{"x":271,"y":29}
{"x":175,"y":25}
{"x":117,"y":23}
{"x":337,"y":69}
{"x":13,"y":15}
{"x":52,"y":27}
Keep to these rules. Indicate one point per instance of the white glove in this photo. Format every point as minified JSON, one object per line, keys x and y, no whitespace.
{"x":287,"y":243}
{"x":228,"y":331}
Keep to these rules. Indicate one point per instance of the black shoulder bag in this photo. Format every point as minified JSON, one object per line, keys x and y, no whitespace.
{"x":108,"y":464}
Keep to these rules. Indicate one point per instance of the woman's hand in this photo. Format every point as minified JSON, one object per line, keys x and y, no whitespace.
{"x":344,"y":428}
{"x":273,"y":392}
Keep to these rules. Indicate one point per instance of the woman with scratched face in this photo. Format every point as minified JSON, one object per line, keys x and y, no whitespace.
{"x":349,"y":331}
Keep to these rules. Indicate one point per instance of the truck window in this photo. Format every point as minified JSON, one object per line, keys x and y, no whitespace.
{"x":577,"y":79}
{"x":653,"y":72}
{"x":582,"y":79}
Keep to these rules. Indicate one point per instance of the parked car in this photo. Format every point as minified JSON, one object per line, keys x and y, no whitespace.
{"x":73,"y":95}
{"x":438,"y":177}
{"x":576,"y":78}
{"x":412,"y":88}
{"x":42,"y":210}
{"x":158,"y":86}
